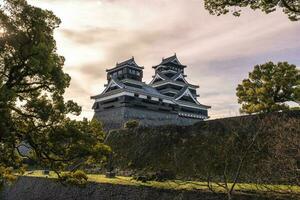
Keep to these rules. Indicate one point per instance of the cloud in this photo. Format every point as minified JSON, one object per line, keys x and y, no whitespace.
{"x":90,"y":36}
{"x":219,"y":51}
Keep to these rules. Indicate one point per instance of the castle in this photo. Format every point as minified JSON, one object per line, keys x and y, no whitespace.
{"x":167,"y":99}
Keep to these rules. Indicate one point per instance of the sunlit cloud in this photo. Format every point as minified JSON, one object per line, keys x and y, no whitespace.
{"x":219,"y":51}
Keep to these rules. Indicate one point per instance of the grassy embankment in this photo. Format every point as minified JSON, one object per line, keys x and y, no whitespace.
{"x":178,"y":184}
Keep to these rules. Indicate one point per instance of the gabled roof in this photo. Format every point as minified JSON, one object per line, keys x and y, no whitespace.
{"x":169,"y":81}
{"x":113,"y":82}
{"x":170,"y":60}
{"x":185,"y":91}
{"x":151,"y":91}
{"x":177,"y":76}
{"x":169,"y":90}
{"x":130,"y":62}
{"x":145,"y":89}
{"x":159,"y":75}
{"x":190,"y":104}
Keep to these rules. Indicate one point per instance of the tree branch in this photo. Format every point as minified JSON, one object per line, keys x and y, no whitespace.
{"x":289,"y":7}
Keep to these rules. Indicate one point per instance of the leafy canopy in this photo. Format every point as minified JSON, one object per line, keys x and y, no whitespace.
{"x":219,"y":7}
{"x":269,"y":87}
{"x":32,"y":107}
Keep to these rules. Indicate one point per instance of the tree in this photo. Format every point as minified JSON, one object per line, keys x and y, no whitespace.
{"x":32,"y":106}
{"x":219,"y":7}
{"x":266,"y":156}
{"x":280,"y":164}
{"x":269,"y":87}
{"x":227,"y":156}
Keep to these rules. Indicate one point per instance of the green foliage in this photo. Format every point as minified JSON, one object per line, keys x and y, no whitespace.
{"x":131,"y":124}
{"x":220,"y":7}
{"x":72,"y":144}
{"x":269,"y":87}
{"x":32,"y":106}
{"x":6,"y":174}
{"x":78,"y":178}
{"x":161,"y":175}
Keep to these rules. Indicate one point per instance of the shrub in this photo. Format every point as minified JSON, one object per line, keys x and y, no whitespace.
{"x":75,"y":178}
{"x":131,"y":124}
{"x":161,"y":175}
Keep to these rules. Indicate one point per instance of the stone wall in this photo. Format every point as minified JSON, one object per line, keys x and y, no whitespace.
{"x":188,"y":150}
{"x":30,"y":188}
{"x":112,"y":118}
{"x":116,"y":117}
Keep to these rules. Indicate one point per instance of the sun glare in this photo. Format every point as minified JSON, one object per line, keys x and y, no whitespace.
{"x":1,"y":31}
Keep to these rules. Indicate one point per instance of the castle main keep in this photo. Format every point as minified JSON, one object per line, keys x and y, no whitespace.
{"x":167,"y":99}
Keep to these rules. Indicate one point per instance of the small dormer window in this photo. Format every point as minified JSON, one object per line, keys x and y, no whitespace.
{"x":131,"y":71}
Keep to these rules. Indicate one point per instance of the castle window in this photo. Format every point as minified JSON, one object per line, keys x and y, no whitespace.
{"x":120,"y":72}
{"x":131,"y":71}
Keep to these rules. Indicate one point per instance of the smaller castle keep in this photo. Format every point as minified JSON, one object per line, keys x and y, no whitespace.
{"x":167,"y":99}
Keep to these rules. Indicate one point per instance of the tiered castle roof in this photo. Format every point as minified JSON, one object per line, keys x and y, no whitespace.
{"x":168,"y":87}
{"x":170,"y":80}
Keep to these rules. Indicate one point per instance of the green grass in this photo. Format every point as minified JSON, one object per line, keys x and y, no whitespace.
{"x":122,"y":180}
{"x":177,"y":184}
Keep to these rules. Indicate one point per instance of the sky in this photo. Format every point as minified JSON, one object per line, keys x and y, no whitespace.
{"x":219,"y":51}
